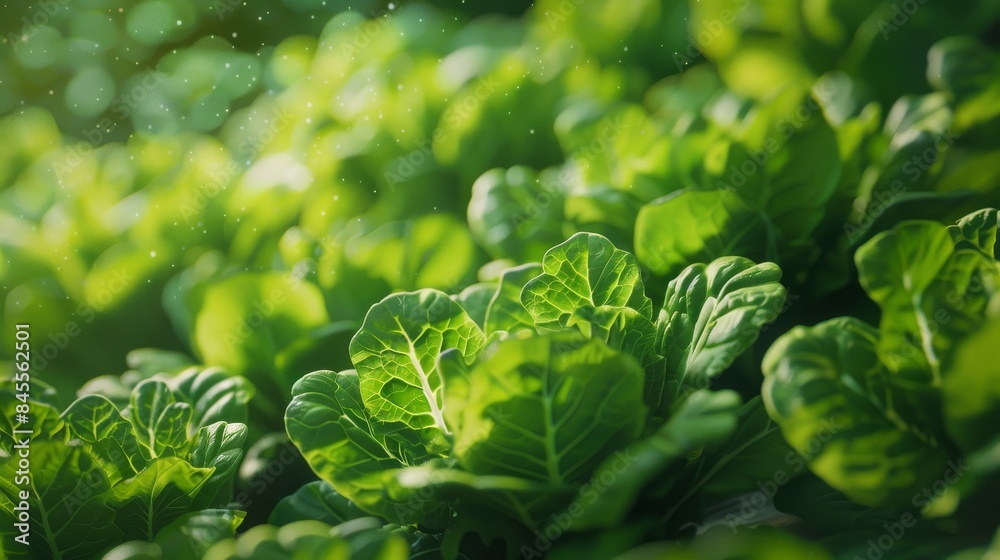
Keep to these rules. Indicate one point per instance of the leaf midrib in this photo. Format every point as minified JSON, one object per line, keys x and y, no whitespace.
{"x":436,"y":412}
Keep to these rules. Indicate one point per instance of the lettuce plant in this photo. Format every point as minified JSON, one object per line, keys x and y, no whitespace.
{"x":568,"y":400}
{"x":913,"y":398}
{"x":107,"y":473}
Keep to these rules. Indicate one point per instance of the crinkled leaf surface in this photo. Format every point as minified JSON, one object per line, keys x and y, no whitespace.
{"x":220,"y":447}
{"x":584,"y":272}
{"x":549,"y":408}
{"x":833,"y":399}
{"x":590,"y":285}
{"x":166,"y":489}
{"x":96,"y":421}
{"x":978,"y":231}
{"x":712,"y":314}
{"x":396,"y":352}
{"x":214,"y":395}
{"x":45,"y":418}
{"x":159,"y":420}
{"x":328,"y":423}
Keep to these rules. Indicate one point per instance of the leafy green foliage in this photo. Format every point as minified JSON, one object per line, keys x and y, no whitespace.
{"x":533,"y":261}
{"x":548,"y":408}
{"x":514,"y":215}
{"x":318,"y":501}
{"x":698,"y":226}
{"x":247,"y":319}
{"x":188,"y":536}
{"x":876,"y":411}
{"x":708,"y":416}
{"x":107,"y":475}
{"x":395,"y":353}
{"x":530,"y":422}
{"x":361,"y":538}
{"x":67,"y":472}
{"x":589,"y":284}
{"x":837,"y":366}
{"x":712,"y":314}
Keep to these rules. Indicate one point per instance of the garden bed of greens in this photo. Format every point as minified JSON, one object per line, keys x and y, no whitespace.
{"x":707,"y":279}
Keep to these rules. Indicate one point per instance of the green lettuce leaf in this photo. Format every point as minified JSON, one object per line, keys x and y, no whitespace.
{"x":475,"y":300}
{"x":95,"y":420}
{"x":617,"y":484}
{"x":549,"y":408}
{"x":191,"y":535}
{"x":158,"y":419}
{"x":712,"y":314}
{"x":971,"y":390}
{"x":505,"y":311}
{"x":163,"y":491}
{"x":930,"y":281}
{"x":833,"y":399}
{"x":352,"y":451}
{"x":73,"y":513}
{"x":692,"y":226}
{"x":514,"y":215}
{"x":588,"y":284}
{"x":219,"y":447}
{"x":316,"y":500}
{"x":395,"y":353}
